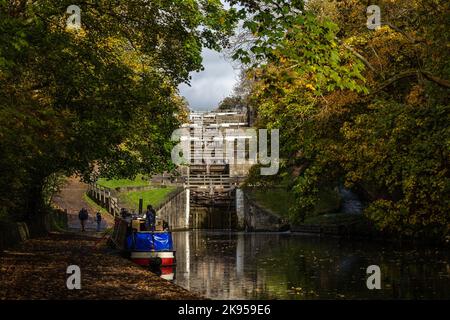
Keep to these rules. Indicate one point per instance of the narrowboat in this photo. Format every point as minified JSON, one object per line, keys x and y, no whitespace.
{"x":152,"y":249}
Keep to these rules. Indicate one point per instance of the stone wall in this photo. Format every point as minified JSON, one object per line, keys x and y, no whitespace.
{"x":213,"y":216}
{"x":175,"y":210}
{"x":244,"y":214}
{"x":240,"y":208}
{"x":12,"y":233}
{"x":257,"y":218}
{"x":144,"y":188}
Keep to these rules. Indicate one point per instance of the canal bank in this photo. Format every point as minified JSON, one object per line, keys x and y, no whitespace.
{"x":268,"y":210}
{"x":337,"y":214}
{"x":36,"y":269}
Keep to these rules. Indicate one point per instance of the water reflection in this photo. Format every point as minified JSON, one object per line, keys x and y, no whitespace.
{"x":225,"y":265}
{"x":167,"y":273}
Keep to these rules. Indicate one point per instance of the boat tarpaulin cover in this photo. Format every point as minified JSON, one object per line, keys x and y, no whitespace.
{"x":150,"y":241}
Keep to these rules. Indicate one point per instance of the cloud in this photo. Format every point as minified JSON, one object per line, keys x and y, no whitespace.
{"x":210,"y":86}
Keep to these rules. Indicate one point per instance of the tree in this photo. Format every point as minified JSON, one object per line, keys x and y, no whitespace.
{"x":101,"y":96}
{"x":366,"y":108}
{"x":231,"y":103}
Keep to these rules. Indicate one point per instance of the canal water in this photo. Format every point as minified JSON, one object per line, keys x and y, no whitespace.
{"x":234,"y":265}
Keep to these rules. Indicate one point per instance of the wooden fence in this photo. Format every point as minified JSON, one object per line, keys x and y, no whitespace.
{"x":104,"y":197}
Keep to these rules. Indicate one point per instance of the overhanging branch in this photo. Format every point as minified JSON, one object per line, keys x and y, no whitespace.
{"x":417,"y":73}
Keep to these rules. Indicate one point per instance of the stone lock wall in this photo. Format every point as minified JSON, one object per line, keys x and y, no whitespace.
{"x":173,"y":210}
{"x":257,"y":218}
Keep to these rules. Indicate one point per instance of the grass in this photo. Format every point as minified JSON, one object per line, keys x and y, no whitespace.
{"x":94,"y":205}
{"x":154,"y":197}
{"x":329,"y":201}
{"x":279,"y":200}
{"x":57,"y":225}
{"x":357,"y":224}
{"x":4,"y":217}
{"x":139,"y":181}
{"x":335,"y":219}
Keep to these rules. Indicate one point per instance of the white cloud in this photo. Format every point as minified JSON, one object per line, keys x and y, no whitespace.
{"x":213,"y":84}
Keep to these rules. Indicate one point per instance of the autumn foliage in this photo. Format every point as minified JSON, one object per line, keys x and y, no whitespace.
{"x":368,"y":109}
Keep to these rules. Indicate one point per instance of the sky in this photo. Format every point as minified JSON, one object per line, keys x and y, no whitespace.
{"x":210,"y":86}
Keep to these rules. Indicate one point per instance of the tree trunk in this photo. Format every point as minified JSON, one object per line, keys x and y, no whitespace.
{"x":35,"y":214}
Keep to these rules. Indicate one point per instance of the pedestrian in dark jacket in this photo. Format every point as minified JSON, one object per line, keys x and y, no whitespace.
{"x":83,"y":215}
{"x":150,"y":217}
{"x":98,"y":219}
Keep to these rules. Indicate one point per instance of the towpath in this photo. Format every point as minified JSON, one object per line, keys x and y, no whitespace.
{"x":37,"y":268}
{"x":72,"y":199}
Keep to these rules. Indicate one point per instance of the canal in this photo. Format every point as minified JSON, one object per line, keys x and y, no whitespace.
{"x":237,"y":265}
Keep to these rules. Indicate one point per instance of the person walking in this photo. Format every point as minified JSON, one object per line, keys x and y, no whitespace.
{"x":83,"y":215}
{"x":98,"y":219}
